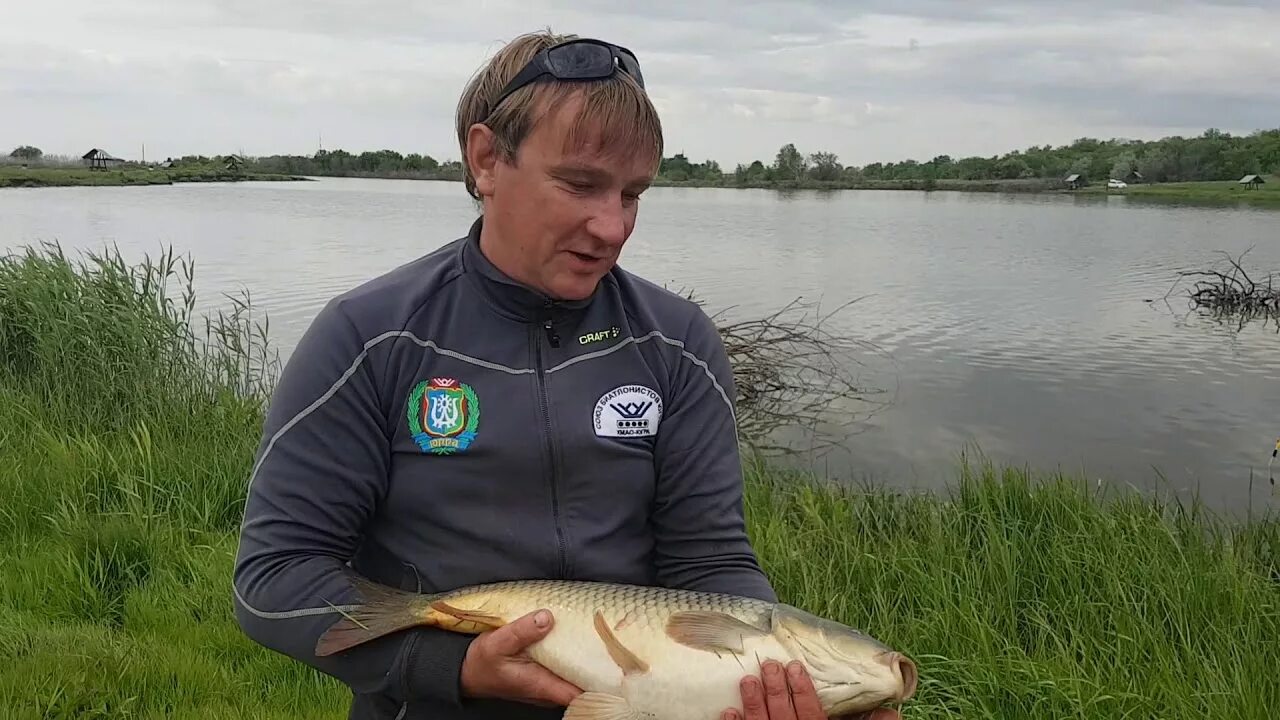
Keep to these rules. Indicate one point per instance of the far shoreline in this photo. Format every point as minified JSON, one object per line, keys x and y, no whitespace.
{"x":14,"y":176}
{"x":1224,"y":192}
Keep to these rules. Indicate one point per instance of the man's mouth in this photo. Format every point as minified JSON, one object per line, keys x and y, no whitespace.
{"x":585,"y":257}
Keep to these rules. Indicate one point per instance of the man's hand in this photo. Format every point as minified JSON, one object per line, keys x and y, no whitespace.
{"x":788,"y":696}
{"x":496,"y":667}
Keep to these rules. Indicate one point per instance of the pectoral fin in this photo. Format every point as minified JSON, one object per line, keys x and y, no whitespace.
{"x":711,"y":631}
{"x":621,"y":655}
{"x":600,"y":706}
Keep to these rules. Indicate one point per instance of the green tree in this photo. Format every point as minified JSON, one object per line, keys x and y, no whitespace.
{"x":677,"y":168}
{"x":27,"y":152}
{"x":825,"y":166}
{"x":1126,"y":163}
{"x":789,"y":164}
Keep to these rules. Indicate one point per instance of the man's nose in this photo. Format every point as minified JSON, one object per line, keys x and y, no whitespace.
{"x":609,"y":223}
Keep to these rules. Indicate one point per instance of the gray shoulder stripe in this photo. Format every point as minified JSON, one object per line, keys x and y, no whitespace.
{"x":600,"y":353}
{"x":644,"y":338}
{"x":465,"y":358}
{"x":355,"y":365}
{"x":705,"y":368}
{"x":287,"y":614}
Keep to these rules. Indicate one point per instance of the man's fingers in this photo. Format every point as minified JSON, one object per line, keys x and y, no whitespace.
{"x":753,"y":703}
{"x":803,"y":694}
{"x":556,"y":690}
{"x":512,"y":638}
{"x":777,"y":694}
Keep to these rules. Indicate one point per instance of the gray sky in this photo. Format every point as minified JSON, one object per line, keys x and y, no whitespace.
{"x":734,"y":79}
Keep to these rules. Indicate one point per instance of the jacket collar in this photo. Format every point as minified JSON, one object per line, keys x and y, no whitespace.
{"x":507,"y":295}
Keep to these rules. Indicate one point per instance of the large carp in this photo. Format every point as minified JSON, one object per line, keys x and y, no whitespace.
{"x":647,"y":652}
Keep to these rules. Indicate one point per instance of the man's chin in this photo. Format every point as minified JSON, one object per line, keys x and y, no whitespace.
{"x":576,"y":287}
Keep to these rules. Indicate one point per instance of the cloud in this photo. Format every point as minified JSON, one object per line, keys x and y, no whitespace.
{"x":871,"y":81}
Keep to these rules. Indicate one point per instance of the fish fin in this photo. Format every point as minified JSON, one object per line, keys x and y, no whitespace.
{"x":600,"y":706}
{"x":711,"y":631}
{"x":621,"y":655}
{"x":384,"y":610}
{"x":460,"y":620}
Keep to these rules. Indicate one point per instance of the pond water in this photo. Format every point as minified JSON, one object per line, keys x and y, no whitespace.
{"x":1018,"y":326}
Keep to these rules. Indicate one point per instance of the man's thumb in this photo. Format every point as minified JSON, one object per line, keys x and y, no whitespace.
{"x":522,"y":633}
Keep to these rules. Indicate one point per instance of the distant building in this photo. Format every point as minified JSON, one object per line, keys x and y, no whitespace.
{"x":1133,"y":177}
{"x":1253,"y":181}
{"x":100,"y":159}
{"x":1075,"y":181}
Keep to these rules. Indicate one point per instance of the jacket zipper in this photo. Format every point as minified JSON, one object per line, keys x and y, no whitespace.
{"x":554,"y":340}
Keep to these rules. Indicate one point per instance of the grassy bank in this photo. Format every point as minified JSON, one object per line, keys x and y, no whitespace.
{"x":1229,"y":191}
{"x":127,"y":432}
{"x":1034,"y":185}
{"x":16,"y":176}
{"x":1218,"y":193}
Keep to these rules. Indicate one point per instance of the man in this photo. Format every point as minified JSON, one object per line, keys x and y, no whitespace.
{"x":511,"y":405}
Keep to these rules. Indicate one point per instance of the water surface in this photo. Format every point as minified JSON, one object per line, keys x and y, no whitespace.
{"x":1018,"y":325}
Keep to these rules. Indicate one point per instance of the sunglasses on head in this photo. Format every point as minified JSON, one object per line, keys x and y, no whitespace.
{"x":581,"y":59}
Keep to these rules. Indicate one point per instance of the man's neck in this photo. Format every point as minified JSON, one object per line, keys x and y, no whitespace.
{"x":501,"y":257}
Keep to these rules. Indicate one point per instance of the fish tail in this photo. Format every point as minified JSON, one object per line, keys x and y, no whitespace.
{"x":384,"y":610}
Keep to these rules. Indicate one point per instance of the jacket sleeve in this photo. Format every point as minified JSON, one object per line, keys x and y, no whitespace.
{"x":701,"y":539}
{"x":319,"y":474}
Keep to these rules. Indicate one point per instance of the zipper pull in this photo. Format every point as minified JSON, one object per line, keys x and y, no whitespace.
{"x":552,"y":336}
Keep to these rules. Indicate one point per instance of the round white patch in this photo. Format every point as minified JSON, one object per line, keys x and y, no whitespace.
{"x":628,"y":411}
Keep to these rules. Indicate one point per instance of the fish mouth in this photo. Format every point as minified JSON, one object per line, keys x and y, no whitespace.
{"x":905,"y":669}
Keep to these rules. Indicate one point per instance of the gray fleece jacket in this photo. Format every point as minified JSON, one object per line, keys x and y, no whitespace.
{"x":442,"y":425}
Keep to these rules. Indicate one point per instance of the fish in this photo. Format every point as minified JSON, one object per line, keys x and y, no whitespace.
{"x":646,"y":652}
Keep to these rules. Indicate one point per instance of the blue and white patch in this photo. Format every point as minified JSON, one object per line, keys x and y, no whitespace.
{"x":628,"y":411}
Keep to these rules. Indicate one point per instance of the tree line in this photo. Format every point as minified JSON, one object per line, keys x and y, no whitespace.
{"x":372,"y":163}
{"x":1213,"y":155}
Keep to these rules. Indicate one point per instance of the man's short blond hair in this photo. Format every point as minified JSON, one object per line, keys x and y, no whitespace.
{"x":616,"y":111}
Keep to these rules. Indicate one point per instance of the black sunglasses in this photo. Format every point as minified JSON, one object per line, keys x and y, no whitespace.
{"x":581,"y":59}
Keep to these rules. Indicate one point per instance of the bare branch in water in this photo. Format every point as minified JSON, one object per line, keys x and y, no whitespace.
{"x":1231,"y":294}
{"x":793,"y":374}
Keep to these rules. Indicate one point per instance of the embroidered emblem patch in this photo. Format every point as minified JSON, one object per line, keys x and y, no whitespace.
{"x":628,"y":411}
{"x":443,"y":415}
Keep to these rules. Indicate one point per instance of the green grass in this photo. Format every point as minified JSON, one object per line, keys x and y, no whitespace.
{"x":1043,"y":599}
{"x":15,"y":176}
{"x":127,"y":429}
{"x":1228,"y":191}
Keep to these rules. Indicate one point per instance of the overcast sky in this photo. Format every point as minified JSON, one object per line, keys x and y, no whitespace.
{"x":734,"y":79}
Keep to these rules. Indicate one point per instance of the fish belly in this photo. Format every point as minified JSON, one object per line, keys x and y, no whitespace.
{"x":678,"y":682}
{"x":689,"y":684}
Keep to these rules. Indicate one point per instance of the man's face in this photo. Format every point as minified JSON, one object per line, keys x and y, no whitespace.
{"x":560,"y":215}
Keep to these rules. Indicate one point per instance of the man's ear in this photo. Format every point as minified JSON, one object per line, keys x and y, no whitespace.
{"x":482,"y":157}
